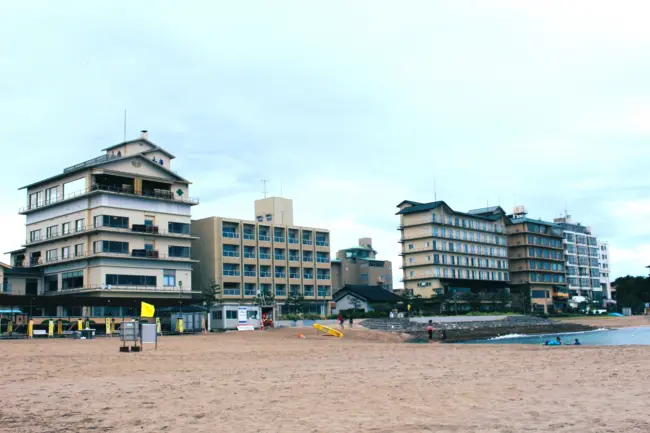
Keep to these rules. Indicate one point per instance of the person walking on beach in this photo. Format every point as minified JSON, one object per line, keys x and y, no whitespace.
{"x":430,"y":330}
{"x":351,"y":321}
{"x":340,"y":320}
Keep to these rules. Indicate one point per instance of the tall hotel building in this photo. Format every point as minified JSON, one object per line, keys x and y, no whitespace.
{"x":536,"y":260}
{"x":266,"y":255}
{"x":582,"y":259}
{"x":605,"y":281}
{"x":105,"y":234}
{"x":454,"y":255}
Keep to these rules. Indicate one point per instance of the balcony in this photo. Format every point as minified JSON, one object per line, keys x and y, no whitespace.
{"x":230,"y":235}
{"x":249,"y":255}
{"x":309,"y":276}
{"x":280,"y":275}
{"x":149,"y":254}
{"x":323,"y":277}
{"x":307,"y":242}
{"x":278,"y":239}
{"x":280,"y":257}
{"x":295,"y":276}
{"x":322,"y":244}
{"x":322,"y":260}
{"x":294,"y":258}
{"x":250,"y":273}
{"x":265,"y":275}
{"x":230,"y":273}
{"x":265,"y":238}
{"x":265,"y":256}
{"x":231,"y":254}
{"x":309,"y":259}
{"x":142,"y":228}
{"x":293,"y":240}
{"x":249,"y":236}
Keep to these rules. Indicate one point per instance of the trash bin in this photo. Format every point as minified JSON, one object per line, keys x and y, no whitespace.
{"x":88,"y":333}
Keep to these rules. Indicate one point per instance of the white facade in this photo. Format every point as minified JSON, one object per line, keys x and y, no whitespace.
{"x":605,"y":281}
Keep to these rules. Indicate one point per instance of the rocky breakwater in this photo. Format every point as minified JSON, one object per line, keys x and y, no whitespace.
{"x":465,"y":329}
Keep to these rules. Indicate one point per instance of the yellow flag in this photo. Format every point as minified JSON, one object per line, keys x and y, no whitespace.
{"x":147,"y":310}
{"x":50,"y":328}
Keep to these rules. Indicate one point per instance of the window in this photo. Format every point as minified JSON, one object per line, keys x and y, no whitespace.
{"x":36,"y":199}
{"x":231,"y":314}
{"x":51,"y":195}
{"x":52,"y":283}
{"x":74,"y":187}
{"x":130,"y":280}
{"x":175,"y":251}
{"x":269,"y":217}
{"x":50,"y":255}
{"x":79,"y":225}
{"x":169,"y":277}
{"x":79,"y":250}
{"x":35,"y":235}
{"x":110,"y":247}
{"x":323,"y":291}
{"x":217,"y":315}
{"x":112,"y":221}
{"x":309,"y":290}
{"x":51,"y":232}
{"x":538,"y":294}
{"x":231,"y":289}
{"x":250,"y":289}
{"x":65,"y":229}
{"x":72,"y":280}
{"x":178,"y":228}
{"x":280,"y":290}
{"x":65,"y":252}
{"x":427,"y":244}
{"x":410,"y":246}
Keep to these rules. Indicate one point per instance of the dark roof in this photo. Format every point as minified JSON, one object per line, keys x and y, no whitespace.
{"x":144,"y":140}
{"x":101,"y":161}
{"x":369,"y":293}
{"x":493,"y":214}
{"x":532,"y":220}
{"x":484,"y":210}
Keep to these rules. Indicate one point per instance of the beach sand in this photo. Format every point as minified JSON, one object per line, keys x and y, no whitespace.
{"x":275,"y":382}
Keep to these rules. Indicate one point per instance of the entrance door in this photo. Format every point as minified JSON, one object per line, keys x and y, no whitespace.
{"x":31,"y":287}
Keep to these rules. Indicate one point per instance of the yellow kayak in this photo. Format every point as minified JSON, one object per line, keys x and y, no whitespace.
{"x":328,"y":330}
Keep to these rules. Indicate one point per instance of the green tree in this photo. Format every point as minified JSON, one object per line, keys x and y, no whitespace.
{"x":632,"y":292}
{"x":356,"y":303}
{"x":296,"y":302}
{"x":211,"y":294}
{"x":264,"y":298}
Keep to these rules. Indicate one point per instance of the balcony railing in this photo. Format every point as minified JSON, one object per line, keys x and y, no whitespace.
{"x":265,"y":275}
{"x":154,"y":255}
{"x":249,"y":236}
{"x":309,"y":259}
{"x":278,"y":239}
{"x":265,"y":238}
{"x":322,"y":260}
{"x":121,"y":288}
{"x":232,"y":235}
{"x":323,"y":277}
{"x":293,"y":240}
{"x":307,"y":242}
{"x":142,"y":228}
{"x":294,"y":258}
{"x":250,"y":273}
{"x":322,"y":244}
{"x":309,"y":276}
{"x":155,"y":194}
{"x":280,"y":275}
{"x":265,"y":256}
{"x":249,"y":255}
{"x":230,"y":273}
{"x":294,"y":275}
{"x":280,"y":257}
{"x":151,"y":254}
{"x":231,"y":254}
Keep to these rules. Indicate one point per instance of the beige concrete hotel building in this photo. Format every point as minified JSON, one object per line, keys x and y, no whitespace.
{"x":454,"y":255}
{"x":104,"y":234}
{"x":268,"y":254}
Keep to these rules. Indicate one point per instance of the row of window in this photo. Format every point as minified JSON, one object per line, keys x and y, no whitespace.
{"x":546,"y":266}
{"x":583,"y":272}
{"x":542,"y":229}
{"x":546,"y":278}
{"x":544,"y":254}
{"x":114,"y":247}
{"x":469,"y":223}
{"x":457,"y":247}
{"x":474,"y":262}
{"x":101,"y":221}
{"x":251,"y":289}
{"x":583,"y":282}
{"x":468,"y":274}
{"x":278,"y":254}
{"x":51,"y":195}
{"x":231,"y":230}
{"x":75,"y":280}
{"x":448,"y":233}
{"x":544,"y":242}
{"x":232,"y":270}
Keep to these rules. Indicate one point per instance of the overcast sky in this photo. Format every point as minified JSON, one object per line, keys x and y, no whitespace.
{"x":352,"y":106}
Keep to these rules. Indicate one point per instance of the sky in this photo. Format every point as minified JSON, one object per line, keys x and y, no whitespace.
{"x":347,"y":108}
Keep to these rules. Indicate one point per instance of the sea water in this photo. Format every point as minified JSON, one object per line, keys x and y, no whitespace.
{"x":600,"y":337}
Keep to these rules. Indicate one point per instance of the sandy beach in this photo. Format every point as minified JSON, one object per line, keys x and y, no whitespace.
{"x":609,"y":321}
{"x":275,"y":382}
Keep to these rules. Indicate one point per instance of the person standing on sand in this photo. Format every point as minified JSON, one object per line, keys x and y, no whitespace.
{"x":340,"y":320}
{"x":351,"y":321}
{"x":430,"y":330}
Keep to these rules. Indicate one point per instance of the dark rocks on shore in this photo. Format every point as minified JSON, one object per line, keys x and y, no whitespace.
{"x":476,"y":330}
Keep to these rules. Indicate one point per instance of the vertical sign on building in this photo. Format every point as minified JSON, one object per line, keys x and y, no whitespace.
{"x":242,"y":315}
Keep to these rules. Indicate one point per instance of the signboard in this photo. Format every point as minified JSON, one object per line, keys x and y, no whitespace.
{"x":245,"y":328}
{"x":149,"y":334}
{"x":158,"y":327}
{"x":242,"y":315}
{"x":129,"y":331}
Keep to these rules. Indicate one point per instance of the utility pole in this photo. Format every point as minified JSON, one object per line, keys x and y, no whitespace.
{"x":264,"y":182}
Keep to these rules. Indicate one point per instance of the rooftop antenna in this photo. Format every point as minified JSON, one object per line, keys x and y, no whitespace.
{"x":125,"y":125}
{"x":264,"y":181}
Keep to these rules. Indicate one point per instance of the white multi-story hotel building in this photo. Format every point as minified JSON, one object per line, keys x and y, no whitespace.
{"x":605,"y":281}
{"x":582,"y":259}
{"x":105,"y":234}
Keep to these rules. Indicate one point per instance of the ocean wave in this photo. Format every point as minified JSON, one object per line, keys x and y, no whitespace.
{"x":504,"y":337}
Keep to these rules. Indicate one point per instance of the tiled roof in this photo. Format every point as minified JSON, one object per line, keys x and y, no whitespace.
{"x":369,"y":293}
